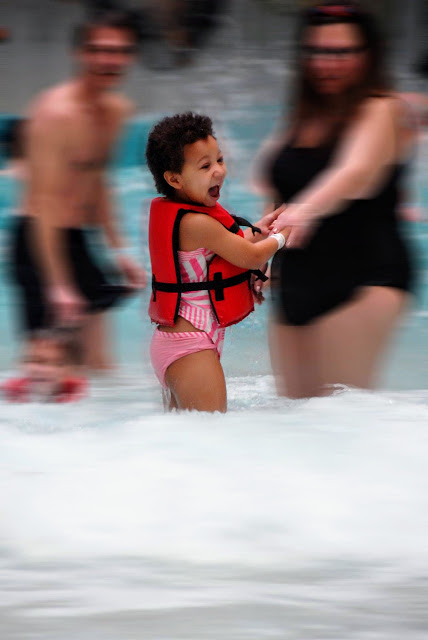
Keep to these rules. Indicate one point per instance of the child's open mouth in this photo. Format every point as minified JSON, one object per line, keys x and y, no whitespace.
{"x":214,"y":191}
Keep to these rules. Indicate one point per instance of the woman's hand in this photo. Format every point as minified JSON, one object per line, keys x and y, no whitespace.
{"x":302,"y":222}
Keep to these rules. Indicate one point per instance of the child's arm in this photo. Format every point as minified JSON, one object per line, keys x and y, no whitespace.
{"x":199,"y":230}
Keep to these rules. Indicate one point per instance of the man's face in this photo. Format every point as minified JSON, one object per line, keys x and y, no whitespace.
{"x":106,"y":55}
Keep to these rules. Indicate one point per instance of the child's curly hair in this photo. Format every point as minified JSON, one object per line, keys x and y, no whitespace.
{"x":166,"y":142}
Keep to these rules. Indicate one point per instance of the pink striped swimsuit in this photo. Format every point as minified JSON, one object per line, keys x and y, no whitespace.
{"x":167,"y":347}
{"x":195,"y":306}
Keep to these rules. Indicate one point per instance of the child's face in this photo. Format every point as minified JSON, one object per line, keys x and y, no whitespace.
{"x":202,"y":175}
{"x":44,"y":364}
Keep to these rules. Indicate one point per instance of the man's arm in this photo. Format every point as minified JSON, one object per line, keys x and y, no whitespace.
{"x":122,"y":109}
{"x":135,"y":275}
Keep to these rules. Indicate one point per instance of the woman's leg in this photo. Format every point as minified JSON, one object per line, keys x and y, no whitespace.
{"x":295,"y":359}
{"x":353,"y":338}
{"x":197,"y":382}
{"x":342,"y":347}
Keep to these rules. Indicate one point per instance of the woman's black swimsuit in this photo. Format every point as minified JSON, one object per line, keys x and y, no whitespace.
{"x":361,"y":246}
{"x":91,"y":282}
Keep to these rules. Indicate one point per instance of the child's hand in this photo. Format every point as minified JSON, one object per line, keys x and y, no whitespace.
{"x":265,"y":224}
{"x":258,"y":285}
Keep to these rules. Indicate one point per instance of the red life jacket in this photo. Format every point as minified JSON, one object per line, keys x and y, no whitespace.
{"x":228,"y":286}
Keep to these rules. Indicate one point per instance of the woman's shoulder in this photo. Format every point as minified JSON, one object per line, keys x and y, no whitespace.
{"x":382,"y":121}
{"x":386,"y":105}
{"x":378,"y":103}
{"x":387,"y":112}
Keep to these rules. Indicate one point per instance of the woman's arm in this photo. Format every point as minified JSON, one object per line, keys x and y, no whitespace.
{"x":199,"y":230}
{"x":362,"y":163}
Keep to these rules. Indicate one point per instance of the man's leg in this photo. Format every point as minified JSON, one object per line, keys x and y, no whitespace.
{"x":96,"y":343}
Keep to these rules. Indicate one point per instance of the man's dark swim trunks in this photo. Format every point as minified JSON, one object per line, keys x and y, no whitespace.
{"x":100,"y":291}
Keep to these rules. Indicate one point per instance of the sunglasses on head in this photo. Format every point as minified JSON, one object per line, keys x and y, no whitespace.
{"x":339,"y":53}
{"x":128,"y":50}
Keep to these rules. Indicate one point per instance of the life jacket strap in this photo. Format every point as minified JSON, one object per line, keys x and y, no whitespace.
{"x":239,"y":222}
{"x":242,"y":222}
{"x":260,"y":275}
{"x":217,"y":284}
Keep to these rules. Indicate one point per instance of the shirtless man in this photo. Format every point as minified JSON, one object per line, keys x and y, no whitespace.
{"x":71,"y":133}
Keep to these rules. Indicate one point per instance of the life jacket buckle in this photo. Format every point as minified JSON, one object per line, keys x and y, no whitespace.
{"x":218,"y":286}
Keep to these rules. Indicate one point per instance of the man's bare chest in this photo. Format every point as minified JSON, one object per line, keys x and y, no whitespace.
{"x":91,"y":143}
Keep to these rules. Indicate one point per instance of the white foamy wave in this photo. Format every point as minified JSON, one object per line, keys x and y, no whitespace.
{"x":285,"y":483}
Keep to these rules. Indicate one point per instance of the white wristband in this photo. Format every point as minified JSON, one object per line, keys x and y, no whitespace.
{"x":280,"y":240}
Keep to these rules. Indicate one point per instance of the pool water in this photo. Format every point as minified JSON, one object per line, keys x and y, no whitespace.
{"x":299,"y":520}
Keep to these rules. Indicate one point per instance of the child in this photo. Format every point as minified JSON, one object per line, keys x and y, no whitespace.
{"x":201,"y":262}
{"x":48,"y":364}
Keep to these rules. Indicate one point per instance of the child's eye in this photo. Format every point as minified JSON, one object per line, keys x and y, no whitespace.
{"x":205,"y":166}
{"x":220,"y":160}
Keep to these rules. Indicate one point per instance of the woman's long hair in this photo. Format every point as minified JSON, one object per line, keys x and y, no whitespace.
{"x":307,"y":101}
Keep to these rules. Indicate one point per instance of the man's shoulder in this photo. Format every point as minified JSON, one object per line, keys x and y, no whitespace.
{"x":120,"y":105}
{"x":53,"y":105}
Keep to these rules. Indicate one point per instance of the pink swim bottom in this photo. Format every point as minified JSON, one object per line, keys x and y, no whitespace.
{"x":166,"y":347}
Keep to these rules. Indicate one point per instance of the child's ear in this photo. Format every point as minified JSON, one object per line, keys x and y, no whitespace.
{"x":173,"y":179}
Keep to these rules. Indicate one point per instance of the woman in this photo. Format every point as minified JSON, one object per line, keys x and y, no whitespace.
{"x":342,"y":282}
